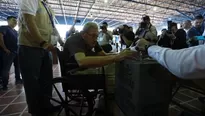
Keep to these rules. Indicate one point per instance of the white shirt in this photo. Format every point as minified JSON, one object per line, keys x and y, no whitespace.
{"x":31,"y":7}
{"x":104,"y":39}
{"x":188,"y":63}
{"x":186,"y":30}
{"x":28,"y":6}
{"x":203,"y":33}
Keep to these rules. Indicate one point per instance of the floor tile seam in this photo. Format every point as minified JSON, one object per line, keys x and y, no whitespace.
{"x":187,"y":95}
{"x":11,"y":114}
{"x":7,"y":92}
{"x":11,"y":102}
{"x":23,"y":111}
{"x":189,"y":101}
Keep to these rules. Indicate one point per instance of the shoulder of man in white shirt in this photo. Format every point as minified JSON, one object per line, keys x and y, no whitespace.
{"x":28,"y":6}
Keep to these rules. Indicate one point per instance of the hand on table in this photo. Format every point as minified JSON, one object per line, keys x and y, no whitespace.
{"x":125,"y":54}
{"x":141,"y":44}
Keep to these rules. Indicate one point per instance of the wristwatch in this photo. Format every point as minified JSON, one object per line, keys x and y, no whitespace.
{"x":42,"y":43}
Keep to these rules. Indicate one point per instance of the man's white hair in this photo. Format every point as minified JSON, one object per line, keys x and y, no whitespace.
{"x":89,"y":25}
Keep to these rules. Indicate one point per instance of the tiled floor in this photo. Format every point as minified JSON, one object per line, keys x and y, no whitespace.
{"x":186,"y":98}
{"x":13,"y":101}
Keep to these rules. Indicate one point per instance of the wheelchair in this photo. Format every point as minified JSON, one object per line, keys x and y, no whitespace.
{"x":77,"y":94}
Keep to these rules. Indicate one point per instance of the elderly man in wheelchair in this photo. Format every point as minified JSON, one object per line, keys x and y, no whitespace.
{"x":87,"y":71}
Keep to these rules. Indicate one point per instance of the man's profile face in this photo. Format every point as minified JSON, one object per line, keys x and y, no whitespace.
{"x":198,"y":23}
{"x":12,"y":22}
{"x":104,"y":29}
{"x":173,"y":29}
{"x":91,"y":37}
{"x":147,"y":21}
{"x":187,"y":25}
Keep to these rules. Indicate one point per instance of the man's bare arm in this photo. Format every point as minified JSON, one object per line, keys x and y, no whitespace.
{"x":102,"y":53}
{"x":93,"y":61}
{"x":2,"y":45}
{"x":98,"y":61}
{"x":32,"y":28}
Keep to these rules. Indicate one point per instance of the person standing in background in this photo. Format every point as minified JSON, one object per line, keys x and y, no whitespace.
{"x":9,"y":51}
{"x":146,"y":30}
{"x":196,"y":30}
{"x":36,"y":33}
{"x":187,"y":25}
{"x":179,"y":37}
{"x":71,"y":31}
{"x":105,"y":38}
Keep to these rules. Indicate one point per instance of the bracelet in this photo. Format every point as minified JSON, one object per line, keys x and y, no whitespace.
{"x":42,"y":43}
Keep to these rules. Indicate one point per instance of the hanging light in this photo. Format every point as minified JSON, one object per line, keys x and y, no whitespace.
{"x":155,"y":8}
{"x":91,"y":15}
{"x":105,"y":1}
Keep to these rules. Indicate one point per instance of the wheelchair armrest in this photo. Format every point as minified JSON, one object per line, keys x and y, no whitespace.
{"x":72,"y":65}
{"x":77,"y":68}
{"x":73,"y":71}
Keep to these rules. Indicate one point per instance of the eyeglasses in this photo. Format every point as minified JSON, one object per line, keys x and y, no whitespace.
{"x":93,"y":35}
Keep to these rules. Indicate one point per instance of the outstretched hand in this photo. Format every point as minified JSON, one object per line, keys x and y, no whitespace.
{"x":141,"y":44}
{"x":125,"y":54}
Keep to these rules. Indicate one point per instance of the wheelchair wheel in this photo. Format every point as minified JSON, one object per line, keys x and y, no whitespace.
{"x":59,"y":98}
{"x":72,"y":103}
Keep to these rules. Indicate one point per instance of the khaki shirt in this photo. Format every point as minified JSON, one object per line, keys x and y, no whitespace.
{"x":43,"y":24}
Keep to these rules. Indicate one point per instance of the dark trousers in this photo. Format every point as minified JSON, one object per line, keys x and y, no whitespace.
{"x":36,"y":71}
{"x":17,"y":67}
{"x":7,"y":60}
{"x":1,"y":66}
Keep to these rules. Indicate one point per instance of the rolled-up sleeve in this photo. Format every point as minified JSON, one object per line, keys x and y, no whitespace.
{"x":188,"y":63}
{"x":28,"y":6}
